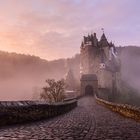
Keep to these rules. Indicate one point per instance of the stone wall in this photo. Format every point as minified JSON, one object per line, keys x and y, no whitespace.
{"x":123,"y":109}
{"x":105,"y":79}
{"x":99,"y":58}
{"x":26,"y":111}
{"x":90,"y":63}
{"x":94,"y":85}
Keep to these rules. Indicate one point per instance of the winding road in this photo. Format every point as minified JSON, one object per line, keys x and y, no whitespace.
{"x":88,"y":121}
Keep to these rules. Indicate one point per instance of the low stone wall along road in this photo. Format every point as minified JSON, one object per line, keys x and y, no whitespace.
{"x":89,"y":121}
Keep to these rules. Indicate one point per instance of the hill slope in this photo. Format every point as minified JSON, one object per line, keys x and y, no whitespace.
{"x":21,"y":75}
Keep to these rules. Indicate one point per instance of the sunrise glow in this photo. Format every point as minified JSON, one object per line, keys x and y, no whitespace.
{"x":51,"y":29}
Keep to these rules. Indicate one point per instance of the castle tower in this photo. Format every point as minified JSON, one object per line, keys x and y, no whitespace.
{"x":89,"y":50}
{"x":97,"y":57}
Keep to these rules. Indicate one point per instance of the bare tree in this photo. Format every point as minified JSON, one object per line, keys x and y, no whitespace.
{"x":53,"y":91}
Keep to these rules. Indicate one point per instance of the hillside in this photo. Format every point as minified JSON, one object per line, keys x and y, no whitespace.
{"x":13,"y":64}
{"x":22,"y":75}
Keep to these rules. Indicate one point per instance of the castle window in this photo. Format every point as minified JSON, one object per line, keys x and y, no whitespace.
{"x":102,"y":65}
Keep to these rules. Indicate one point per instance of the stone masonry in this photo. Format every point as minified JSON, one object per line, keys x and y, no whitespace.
{"x":89,"y":121}
{"x":99,"y":57}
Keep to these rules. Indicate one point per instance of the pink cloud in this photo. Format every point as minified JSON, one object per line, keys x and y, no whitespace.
{"x":54,"y":27}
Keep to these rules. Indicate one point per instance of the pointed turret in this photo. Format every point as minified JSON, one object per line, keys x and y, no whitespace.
{"x":103,"y":41}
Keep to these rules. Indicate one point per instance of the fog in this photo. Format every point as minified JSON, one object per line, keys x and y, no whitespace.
{"x":23,"y":87}
{"x":19,"y":88}
{"x":130,"y":66}
{"x":22,"y":77}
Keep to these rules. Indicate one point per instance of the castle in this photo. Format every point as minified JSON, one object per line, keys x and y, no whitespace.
{"x":100,"y":66}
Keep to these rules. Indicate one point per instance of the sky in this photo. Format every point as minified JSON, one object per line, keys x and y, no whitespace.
{"x":53,"y":29}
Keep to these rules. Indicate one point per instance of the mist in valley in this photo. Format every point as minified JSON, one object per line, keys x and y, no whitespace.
{"x":19,"y":88}
{"x":130,"y":66}
{"x":23,"y":76}
{"x":23,"y":87}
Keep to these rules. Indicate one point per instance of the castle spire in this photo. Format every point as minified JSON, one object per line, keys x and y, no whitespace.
{"x":103,"y":37}
{"x":103,"y":40}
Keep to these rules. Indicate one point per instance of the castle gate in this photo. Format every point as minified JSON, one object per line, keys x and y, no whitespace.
{"x":89,"y":84}
{"x":89,"y":90}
